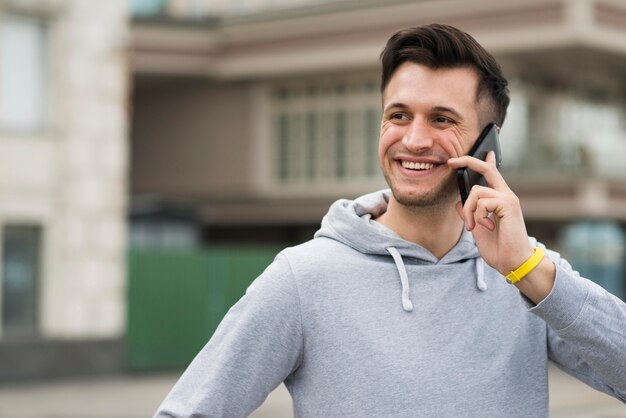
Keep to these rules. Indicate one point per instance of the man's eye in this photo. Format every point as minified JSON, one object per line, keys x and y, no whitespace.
{"x":443,"y":119}
{"x":399,"y":116}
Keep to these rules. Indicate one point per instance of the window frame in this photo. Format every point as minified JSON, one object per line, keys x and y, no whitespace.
{"x":51,"y":109}
{"x":34,"y":329}
{"x":340,"y":113}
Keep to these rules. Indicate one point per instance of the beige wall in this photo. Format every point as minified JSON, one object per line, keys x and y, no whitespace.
{"x":70,"y":177}
{"x":192,"y":137}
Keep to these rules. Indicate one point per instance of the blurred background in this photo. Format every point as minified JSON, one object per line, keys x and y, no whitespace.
{"x":155,"y":155}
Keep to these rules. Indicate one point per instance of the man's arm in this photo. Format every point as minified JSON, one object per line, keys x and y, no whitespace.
{"x":256,"y":346}
{"x":494,"y":216}
{"x":586,"y":330}
{"x":586,"y":324}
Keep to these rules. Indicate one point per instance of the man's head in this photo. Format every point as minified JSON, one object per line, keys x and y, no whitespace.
{"x":439,"y":46}
{"x":440,"y":89}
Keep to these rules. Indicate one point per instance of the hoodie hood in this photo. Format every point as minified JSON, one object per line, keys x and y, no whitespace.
{"x":351,"y":223}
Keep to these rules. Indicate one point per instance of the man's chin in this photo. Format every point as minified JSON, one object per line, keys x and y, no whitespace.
{"x":446,"y":195}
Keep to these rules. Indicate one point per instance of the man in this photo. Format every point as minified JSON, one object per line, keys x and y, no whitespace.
{"x":399,"y":306}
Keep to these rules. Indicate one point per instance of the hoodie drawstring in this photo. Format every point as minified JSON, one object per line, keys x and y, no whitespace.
{"x":480,"y":274}
{"x":407,"y":305}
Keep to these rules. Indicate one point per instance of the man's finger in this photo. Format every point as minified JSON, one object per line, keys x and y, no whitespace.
{"x":487,"y":168}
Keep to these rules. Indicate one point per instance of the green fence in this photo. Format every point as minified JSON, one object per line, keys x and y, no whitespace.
{"x":176,"y":299}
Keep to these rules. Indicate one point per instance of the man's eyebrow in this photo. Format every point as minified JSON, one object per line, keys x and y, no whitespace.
{"x":396,"y":105}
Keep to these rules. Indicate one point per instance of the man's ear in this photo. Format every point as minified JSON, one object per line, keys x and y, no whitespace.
{"x":497,"y":129}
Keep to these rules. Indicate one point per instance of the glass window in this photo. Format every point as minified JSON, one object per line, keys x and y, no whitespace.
{"x":147,"y":7}
{"x":325,"y":131}
{"x":164,"y":233}
{"x":597,"y":250}
{"x":563,"y":133}
{"x":22,"y":73}
{"x":20,"y":279}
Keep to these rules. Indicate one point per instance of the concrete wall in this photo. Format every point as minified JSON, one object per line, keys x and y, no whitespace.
{"x":192,"y":137}
{"x":70,"y":177}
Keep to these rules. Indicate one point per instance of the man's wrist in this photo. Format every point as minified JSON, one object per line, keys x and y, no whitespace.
{"x":538,"y":284}
{"x":526,"y":267}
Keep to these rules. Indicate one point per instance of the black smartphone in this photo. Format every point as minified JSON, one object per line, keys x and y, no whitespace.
{"x":487,"y":141}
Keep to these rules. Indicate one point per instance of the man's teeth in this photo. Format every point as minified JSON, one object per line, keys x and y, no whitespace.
{"x":417,"y":166}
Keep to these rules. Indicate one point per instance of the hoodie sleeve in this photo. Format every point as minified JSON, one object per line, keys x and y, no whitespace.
{"x":256,"y":346}
{"x":586,"y":330}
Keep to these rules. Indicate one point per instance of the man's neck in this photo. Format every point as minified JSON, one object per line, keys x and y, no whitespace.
{"x":436,"y":229}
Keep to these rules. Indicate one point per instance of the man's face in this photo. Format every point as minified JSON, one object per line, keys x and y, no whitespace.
{"x":429,"y":116}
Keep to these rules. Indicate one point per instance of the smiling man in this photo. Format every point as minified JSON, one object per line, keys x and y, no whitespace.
{"x":399,"y":306}
{"x":429,"y":116}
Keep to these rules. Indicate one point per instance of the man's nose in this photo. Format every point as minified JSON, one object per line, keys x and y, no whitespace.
{"x":418,"y":136}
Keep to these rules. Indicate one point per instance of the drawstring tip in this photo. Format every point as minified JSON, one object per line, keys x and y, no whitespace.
{"x":407,"y":305}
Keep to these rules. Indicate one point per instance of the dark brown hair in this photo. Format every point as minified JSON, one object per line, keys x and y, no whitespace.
{"x":442,"y":46}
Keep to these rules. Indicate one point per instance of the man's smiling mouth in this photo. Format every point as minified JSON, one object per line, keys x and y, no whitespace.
{"x":417,"y":166}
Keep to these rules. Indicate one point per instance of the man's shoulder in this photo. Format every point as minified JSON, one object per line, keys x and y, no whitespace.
{"x":319,"y":247}
{"x":314,"y":257}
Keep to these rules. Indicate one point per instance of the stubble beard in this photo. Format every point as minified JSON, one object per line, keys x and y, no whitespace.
{"x":444,"y":194}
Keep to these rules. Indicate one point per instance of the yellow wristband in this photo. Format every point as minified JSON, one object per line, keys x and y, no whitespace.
{"x":527,"y":267}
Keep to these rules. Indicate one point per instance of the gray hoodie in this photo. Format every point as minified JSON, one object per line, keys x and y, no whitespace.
{"x":361,"y":323}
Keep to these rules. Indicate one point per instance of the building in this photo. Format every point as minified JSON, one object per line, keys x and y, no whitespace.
{"x":63,"y":196}
{"x":258,"y":114}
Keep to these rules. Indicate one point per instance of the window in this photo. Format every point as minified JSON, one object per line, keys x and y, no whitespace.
{"x":325,"y":132}
{"x":20,"y":279}
{"x":22,"y":73}
{"x":596,"y":250}
{"x":164,"y":233}
{"x":147,"y":7}
{"x":567,"y":133}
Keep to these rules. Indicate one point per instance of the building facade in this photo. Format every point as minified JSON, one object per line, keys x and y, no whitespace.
{"x":63,"y":175}
{"x":258,"y":114}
